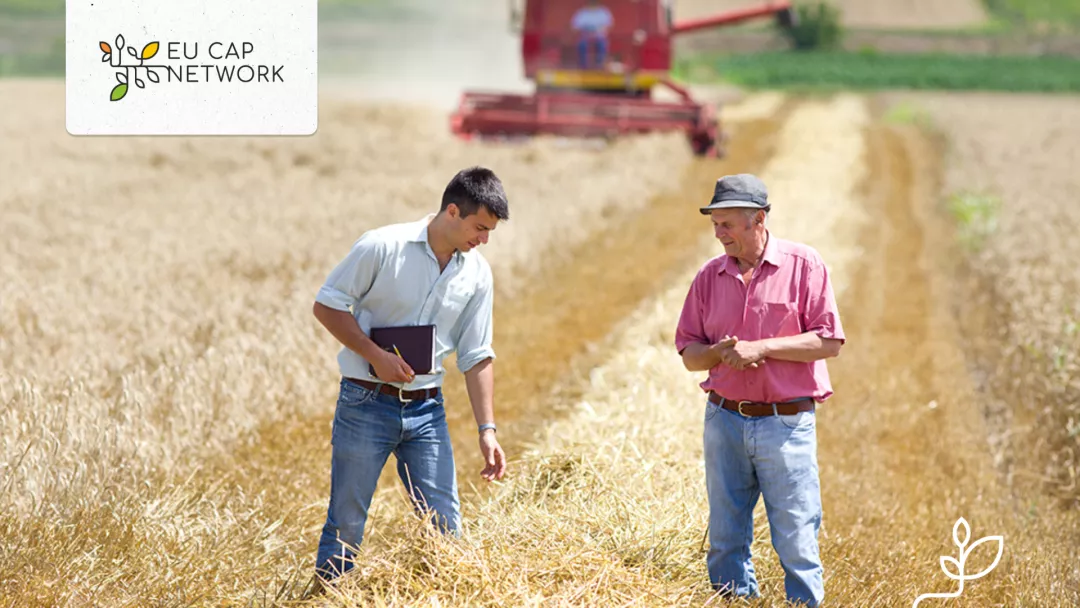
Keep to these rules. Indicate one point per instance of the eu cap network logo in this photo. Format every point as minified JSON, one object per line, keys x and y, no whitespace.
{"x":198,"y":67}
{"x":115,"y":54}
{"x":218,"y":70}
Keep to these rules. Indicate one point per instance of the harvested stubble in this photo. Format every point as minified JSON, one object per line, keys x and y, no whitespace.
{"x":1012,"y":160}
{"x":609,"y":507}
{"x":906,"y":440}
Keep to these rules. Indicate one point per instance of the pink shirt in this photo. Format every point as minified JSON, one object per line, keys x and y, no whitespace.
{"x":789,"y":294}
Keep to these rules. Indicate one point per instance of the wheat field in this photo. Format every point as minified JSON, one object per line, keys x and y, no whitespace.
{"x":1010,"y":184}
{"x":156,"y":294}
{"x":165,"y":435}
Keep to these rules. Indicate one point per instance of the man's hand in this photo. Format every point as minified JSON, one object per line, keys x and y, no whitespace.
{"x":494,"y":458}
{"x":742,"y":354}
{"x":391,"y":368}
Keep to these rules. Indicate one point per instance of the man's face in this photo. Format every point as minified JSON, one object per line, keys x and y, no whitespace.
{"x":472,"y":231}
{"x":735,"y":229}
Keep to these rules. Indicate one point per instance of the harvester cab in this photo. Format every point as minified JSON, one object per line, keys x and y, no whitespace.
{"x":595,"y":64}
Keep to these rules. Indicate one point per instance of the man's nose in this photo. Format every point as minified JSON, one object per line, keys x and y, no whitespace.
{"x":483,"y":238}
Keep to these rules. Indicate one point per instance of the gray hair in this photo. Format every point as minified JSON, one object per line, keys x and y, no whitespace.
{"x":750,"y":213}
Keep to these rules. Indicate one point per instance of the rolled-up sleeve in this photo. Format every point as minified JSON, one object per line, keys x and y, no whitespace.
{"x":820,"y":313}
{"x":691,"y":327}
{"x":351,"y":279}
{"x":473,"y":333}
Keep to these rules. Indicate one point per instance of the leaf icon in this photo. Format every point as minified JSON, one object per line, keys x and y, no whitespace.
{"x":121,"y":78}
{"x":1000,"y":549}
{"x":150,"y":50}
{"x":947,"y":561}
{"x":152,"y":75}
{"x":106,"y":57}
{"x":131,"y":51}
{"x":119,"y":42}
{"x":118,"y":92}
{"x":105,"y":47}
{"x":961,"y":523}
{"x":139,"y":83}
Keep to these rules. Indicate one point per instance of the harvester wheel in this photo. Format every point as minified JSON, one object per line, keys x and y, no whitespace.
{"x":708,"y":142}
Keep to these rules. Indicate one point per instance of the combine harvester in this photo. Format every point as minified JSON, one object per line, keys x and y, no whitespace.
{"x":611,"y":99}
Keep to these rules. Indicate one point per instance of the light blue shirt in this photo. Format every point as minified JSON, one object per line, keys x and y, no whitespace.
{"x":391,"y":278}
{"x":591,"y":19}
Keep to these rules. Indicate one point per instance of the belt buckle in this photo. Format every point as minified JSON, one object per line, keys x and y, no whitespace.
{"x":740,"y":404}
{"x":400,"y":394}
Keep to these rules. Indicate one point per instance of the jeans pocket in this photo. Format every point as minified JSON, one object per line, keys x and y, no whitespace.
{"x":800,"y":420}
{"x":710,"y":410}
{"x":354,"y":395}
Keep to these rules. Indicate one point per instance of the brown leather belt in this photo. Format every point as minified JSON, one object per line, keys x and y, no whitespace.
{"x":755,"y":408}
{"x":389,"y":389}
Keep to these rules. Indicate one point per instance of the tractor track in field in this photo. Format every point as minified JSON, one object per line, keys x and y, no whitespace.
{"x":904,"y":443}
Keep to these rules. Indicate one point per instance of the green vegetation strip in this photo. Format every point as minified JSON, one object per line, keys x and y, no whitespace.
{"x":1054,"y":14}
{"x":871,"y":70}
{"x":31,"y":7}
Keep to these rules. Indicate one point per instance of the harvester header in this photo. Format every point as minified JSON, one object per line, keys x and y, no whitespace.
{"x":596,"y":64}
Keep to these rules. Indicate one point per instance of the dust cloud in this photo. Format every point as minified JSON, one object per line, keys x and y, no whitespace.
{"x":423,"y":52}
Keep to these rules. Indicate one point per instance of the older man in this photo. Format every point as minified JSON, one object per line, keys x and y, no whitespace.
{"x":761,"y":319}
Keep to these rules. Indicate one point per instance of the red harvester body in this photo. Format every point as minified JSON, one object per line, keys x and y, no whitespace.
{"x":584,"y":100}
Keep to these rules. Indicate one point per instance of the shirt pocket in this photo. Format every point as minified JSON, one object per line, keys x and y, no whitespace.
{"x":453,"y":304}
{"x":779,"y":319}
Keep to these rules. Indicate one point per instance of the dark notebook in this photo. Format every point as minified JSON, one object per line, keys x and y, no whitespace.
{"x":416,"y":343}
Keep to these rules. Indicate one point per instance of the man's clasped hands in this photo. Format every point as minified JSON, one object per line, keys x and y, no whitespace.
{"x":741,"y":354}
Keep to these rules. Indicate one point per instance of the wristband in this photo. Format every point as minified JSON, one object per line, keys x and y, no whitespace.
{"x":484,"y":427}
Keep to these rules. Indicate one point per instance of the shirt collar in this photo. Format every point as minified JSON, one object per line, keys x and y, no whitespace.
{"x":422,"y":229}
{"x":771,"y":255}
{"x":422,"y":235}
{"x":772,"y":250}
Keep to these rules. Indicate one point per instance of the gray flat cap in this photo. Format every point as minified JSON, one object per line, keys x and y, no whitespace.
{"x":739,"y":191}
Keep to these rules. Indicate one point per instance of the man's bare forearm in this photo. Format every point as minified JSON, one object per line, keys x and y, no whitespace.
{"x":803,"y":348}
{"x":698,"y":357}
{"x":343,"y":326}
{"x":480,"y":383}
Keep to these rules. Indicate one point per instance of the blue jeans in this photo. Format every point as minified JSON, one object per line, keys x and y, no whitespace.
{"x":368,"y":427}
{"x":775,"y":456}
{"x":598,"y":44}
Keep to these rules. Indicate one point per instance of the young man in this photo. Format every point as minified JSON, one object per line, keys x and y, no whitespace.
{"x":426,"y":272}
{"x":760,"y":319}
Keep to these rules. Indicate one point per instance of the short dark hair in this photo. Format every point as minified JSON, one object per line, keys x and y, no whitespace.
{"x":475,"y":187}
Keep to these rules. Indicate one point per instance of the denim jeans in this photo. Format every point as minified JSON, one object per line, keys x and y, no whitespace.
{"x":368,"y":427}
{"x":776,"y":457}
{"x":598,"y":44}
